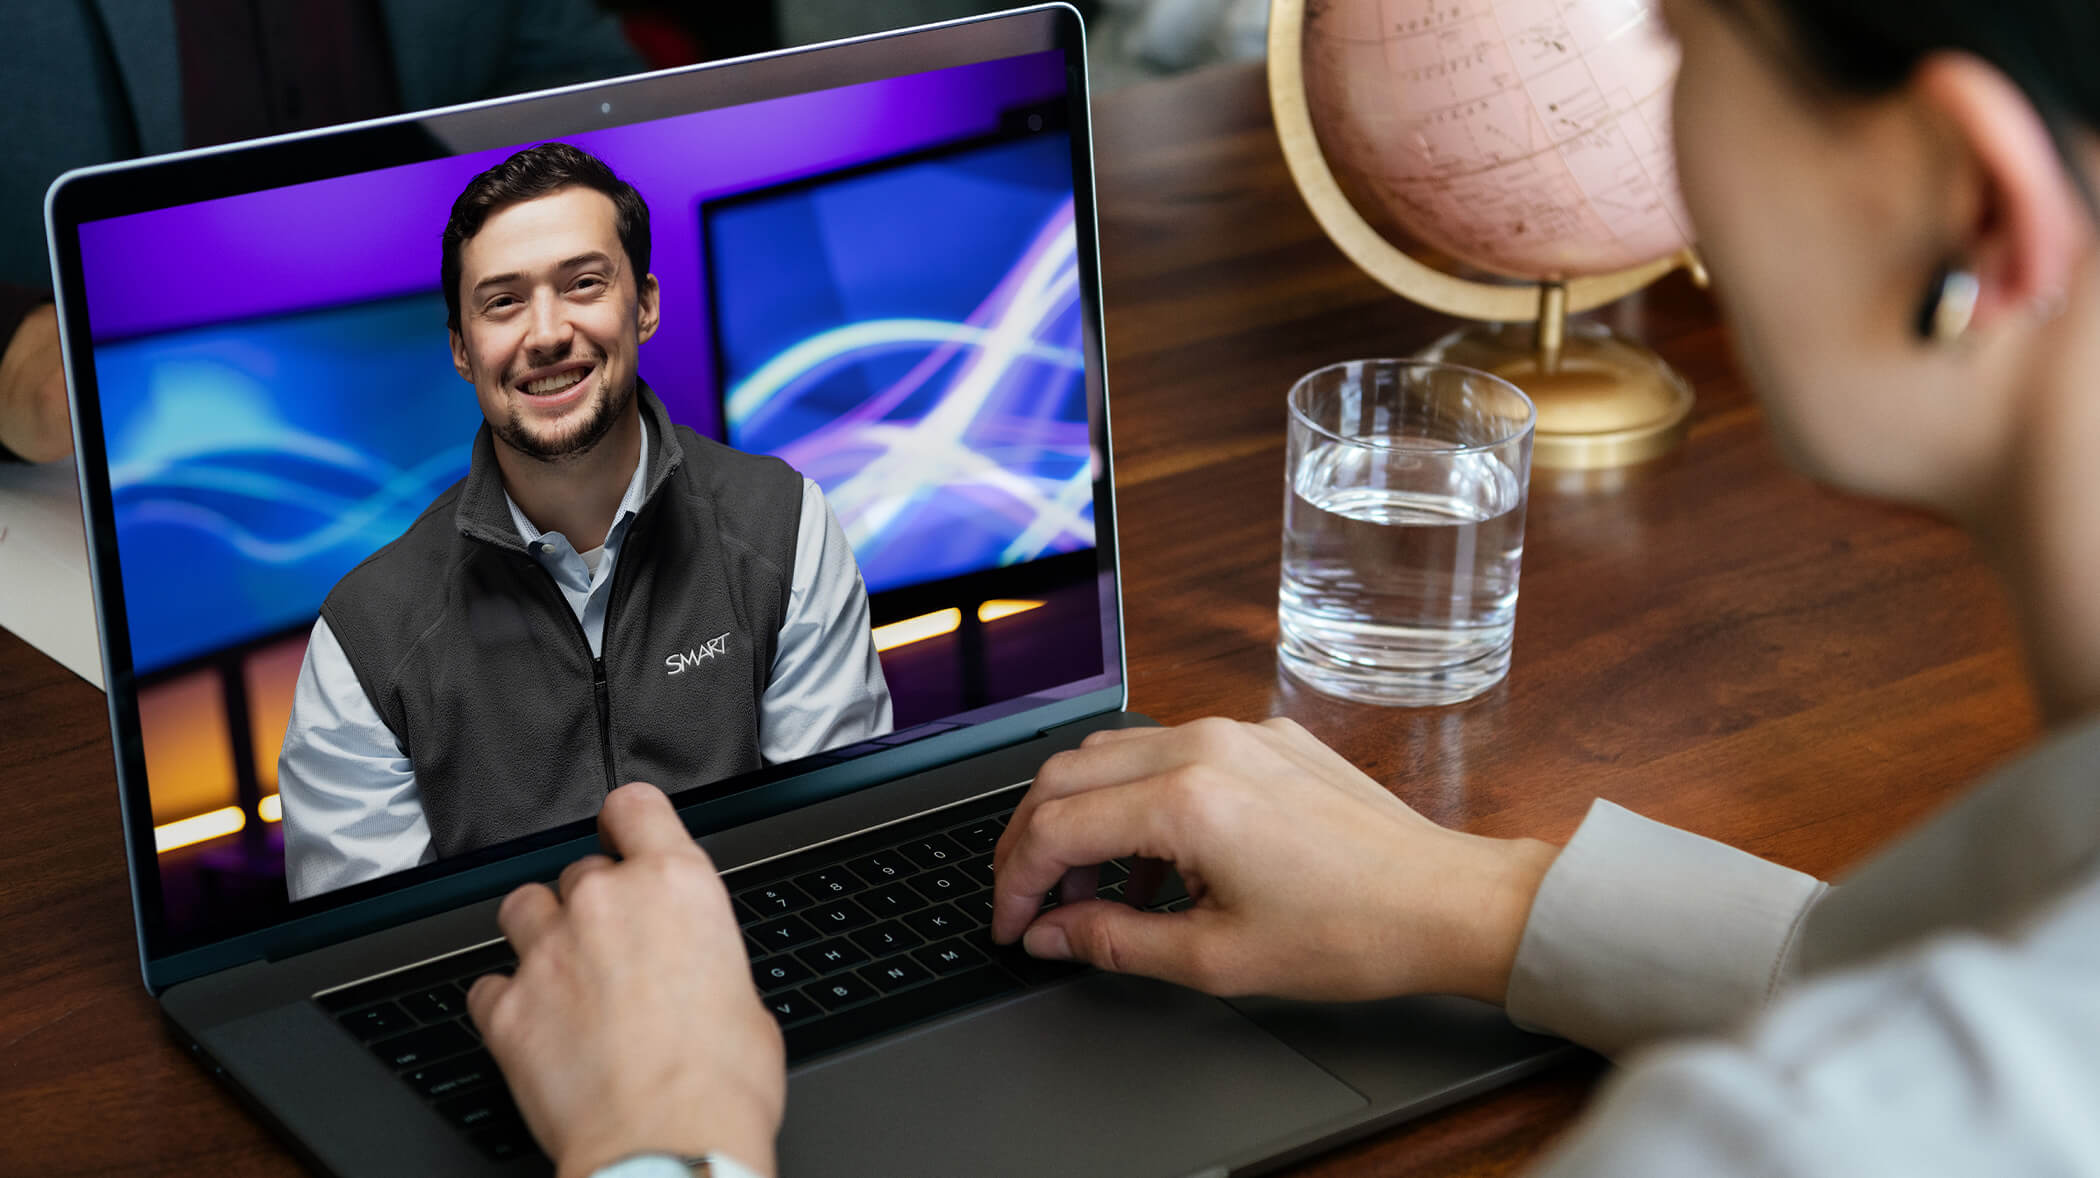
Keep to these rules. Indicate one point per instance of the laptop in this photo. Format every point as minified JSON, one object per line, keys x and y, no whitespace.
{"x":877,"y":262}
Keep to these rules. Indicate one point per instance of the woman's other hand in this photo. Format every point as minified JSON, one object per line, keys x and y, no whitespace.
{"x":1309,"y":879}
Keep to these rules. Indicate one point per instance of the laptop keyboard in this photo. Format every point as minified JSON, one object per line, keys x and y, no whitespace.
{"x":847,"y":942}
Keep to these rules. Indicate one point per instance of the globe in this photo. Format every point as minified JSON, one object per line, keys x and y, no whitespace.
{"x":1527,"y":138}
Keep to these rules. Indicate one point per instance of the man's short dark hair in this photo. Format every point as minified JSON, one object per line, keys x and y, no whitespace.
{"x":529,"y":175}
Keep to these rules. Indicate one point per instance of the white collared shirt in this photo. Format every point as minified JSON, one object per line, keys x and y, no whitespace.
{"x":352,"y":811}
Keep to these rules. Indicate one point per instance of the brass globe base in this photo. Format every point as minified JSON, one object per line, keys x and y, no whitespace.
{"x":1607,"y":403}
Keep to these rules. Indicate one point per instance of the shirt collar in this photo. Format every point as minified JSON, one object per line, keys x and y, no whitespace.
{"x":483,"y":512}
{"x":630,"y":502}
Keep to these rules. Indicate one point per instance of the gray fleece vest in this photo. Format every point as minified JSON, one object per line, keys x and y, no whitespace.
{"x":471,"y":654}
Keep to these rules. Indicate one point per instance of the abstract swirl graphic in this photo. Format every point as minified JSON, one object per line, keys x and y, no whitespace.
{"x":252,"y":464}
{"x":978,"y":455}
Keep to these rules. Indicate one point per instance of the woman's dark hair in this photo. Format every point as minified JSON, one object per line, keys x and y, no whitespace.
{"x":1871,"y":47}
{"x":529,"y":175}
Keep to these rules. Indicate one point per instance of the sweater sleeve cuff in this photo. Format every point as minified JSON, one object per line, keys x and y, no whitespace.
{"x":1642,"y":931}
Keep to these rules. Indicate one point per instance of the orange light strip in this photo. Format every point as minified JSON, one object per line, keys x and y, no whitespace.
{"x":212,"y":824}
{"x":917,"y":629}
{"x":999,"y":607}
{"x":209,"y":825}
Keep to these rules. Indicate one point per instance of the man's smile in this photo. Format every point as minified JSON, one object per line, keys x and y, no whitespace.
{"x":556,"y":384}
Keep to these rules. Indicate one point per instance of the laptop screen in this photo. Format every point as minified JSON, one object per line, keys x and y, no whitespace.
{"x":365,"y":649}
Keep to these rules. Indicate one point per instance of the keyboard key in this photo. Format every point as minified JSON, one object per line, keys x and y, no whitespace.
{"x":978,"y":908}
{"x":775,"y":972}
{"x":374,"y":1022}
{"x":843,"y":990}
{"x":773,"y":900}
{"x":459,"y":1074}
{"x":945,"y":884}
{"x":938,"y":997}
{"x":979,"y":870}
{"x":837,"y":953}
{"x":437,"y":1004}
{"x":424,"y":1046}
{"x":938,"y":922}
{"x":840,"y":917}
{"x":790,"y":1007}
{"x":484,"y":1108}
{"x":950,"y":956}
{"x":505,"y":1142}
{"x":895,"y":974}
{"x":1171,"y":889}
{"x":829,"y":884}
{"x":891,"y":900}
{"x":936,"y":851}
{"x":886,"y":938}
{"x":1034,"y":970}
{"x":782,"y":932}
{"x":978,"y":837}
{"x":882,"y":867}
{"x":1114,"y":872}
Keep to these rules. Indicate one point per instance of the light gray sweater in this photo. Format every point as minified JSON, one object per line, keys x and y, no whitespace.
{"x":1935,"y":1012}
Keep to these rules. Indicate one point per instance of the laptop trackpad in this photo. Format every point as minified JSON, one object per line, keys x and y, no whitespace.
{"x":1104,"y":1075}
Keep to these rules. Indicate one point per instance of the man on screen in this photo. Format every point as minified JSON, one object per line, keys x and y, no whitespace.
{"x":606,"y":596}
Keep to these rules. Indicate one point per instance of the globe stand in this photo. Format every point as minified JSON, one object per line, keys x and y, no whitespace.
{"x":1603,"y":400}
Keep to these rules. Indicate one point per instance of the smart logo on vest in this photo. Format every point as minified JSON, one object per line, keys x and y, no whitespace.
{"x":686,"y":660}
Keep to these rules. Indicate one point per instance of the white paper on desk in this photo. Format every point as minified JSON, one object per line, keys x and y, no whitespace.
{"x":45,"y":596}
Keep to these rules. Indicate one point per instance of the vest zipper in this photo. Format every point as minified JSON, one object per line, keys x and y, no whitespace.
{"x":601,"y":693}
{"x":604,"y":698}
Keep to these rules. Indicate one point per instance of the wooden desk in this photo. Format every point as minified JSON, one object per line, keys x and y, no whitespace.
{"x":1716,"y":644}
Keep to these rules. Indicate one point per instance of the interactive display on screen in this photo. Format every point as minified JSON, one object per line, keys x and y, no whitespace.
{"x":878,"y":284}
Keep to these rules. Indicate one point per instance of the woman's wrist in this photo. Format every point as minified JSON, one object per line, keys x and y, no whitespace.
{"x":1506,"y":875}
{"x":610,"y":1158}
{"x":658,"y":1164}
{"x":589,"y":1153}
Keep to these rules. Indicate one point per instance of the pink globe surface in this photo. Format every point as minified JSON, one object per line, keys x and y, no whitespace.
{"x":1530,"y":138}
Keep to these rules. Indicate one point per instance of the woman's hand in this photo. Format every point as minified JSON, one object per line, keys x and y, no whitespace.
{"x":1310,"y":880}
{"x":632,"y":1023}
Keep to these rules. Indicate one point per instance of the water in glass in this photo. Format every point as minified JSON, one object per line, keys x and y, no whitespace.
{"x":1400,"y":569}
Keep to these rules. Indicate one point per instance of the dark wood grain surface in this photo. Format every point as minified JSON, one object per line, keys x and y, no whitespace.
{"x":1713,"y":642}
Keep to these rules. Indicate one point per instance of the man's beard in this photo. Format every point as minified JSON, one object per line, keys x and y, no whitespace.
{"x":571,"y":444}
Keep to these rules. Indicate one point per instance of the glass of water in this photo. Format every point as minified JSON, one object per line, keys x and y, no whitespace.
{"x":1403,"y":526}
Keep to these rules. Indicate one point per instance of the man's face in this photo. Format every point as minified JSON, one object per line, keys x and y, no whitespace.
{"x":551,"y":320}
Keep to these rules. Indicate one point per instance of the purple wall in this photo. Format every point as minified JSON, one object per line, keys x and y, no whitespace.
{"x":375,"y":234}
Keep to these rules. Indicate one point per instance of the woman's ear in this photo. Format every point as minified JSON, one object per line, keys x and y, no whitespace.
{"x":2021,"y":221}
